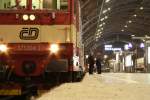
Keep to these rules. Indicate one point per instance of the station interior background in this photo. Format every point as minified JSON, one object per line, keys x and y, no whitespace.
{"x":119,"y":31}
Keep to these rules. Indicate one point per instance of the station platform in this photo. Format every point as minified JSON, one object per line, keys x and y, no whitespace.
{"x":105,"y":86}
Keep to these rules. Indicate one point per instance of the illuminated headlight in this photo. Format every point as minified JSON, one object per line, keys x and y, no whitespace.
{"x":32,"y":17}
{"x":54,"y":48}
{"x":3,"y":48}
{"x":25,"y":17}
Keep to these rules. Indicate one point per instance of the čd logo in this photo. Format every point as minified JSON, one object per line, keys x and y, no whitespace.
{"x":29,"y":33}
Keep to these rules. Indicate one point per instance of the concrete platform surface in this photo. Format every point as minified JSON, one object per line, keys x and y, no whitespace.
{"x":107,"y":86}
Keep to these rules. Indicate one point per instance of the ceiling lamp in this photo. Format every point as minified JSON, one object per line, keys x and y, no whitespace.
{"x":122,"y":30}
{"x":104,"y":23}
{"x":100,"y":25}
{"x":132,"y":35}
{"x":130,"y":21}
{"x":104,"y":11}
{"x":106,"y":17}
{"x":130,"y":45}
{"x":106,"y":1}
{"x":109,"y":9}
{"x":126,"y":26}
{"x":102,"y":19}
{"x":141,"y":8}
{"x":142,"y":45}
{"x":134,"y":15}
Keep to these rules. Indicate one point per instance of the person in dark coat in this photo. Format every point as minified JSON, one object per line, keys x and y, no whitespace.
{"x":91,"y":64}
{"x":98,"y":65}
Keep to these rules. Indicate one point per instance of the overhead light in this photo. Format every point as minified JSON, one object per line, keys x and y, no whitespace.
{"x":99,"y":36}
{"x":104,"y":23}
{"x":106,"y":17}
{"x":99,"y":30}
{"x":106,"y":1}
{"x":126,"y":46}
{"x":132,"y":35}
{"x":104,"y":11}
{"x":102,"y":19}
{"x":130,"y":21}
{"x":109,"y":9}
{"x":130,"y":45}
{"x":134,"y":15}
{"x":142,"y":45}
{"x":100,"y":25}
{"x":126,"y":26}
{"x":141,"y":8}
{"x":122,"y":30}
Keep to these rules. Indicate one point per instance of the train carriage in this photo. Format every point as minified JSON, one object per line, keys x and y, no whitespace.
{"x":40,"y":41}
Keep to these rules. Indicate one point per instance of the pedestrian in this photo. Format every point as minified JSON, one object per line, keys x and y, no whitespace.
{"x":91,"y":63}
{"x":98,"y":65}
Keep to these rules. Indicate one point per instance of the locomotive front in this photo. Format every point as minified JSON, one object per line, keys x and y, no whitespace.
{"x":38,"y":40}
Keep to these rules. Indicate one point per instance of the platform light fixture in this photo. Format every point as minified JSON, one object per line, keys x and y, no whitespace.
{"x":103,"y":23}
{"x":126,"y":47}
{"x":142,"y":45}
{"x":106,"y":17}
{"x":130,"y":45}
{"x":100,"y":25}
{"x":102,"y":19}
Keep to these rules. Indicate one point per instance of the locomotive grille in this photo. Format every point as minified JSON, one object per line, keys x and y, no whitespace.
{"x":57,"y":66}
{"x":28,"y":67}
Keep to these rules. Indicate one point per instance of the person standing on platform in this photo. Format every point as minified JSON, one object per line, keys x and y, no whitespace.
{"x":91,"y":63}
{"x":98,"y":65}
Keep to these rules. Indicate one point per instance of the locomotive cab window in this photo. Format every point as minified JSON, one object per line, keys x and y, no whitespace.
{"x":64,"y":4}
{"x":13,"y":4}
{"x":50,"y":4}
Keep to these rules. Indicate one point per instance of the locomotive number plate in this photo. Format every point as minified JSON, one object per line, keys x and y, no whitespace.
{"x":30,"y":47}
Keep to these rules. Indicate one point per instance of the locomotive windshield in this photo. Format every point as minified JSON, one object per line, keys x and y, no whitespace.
{"x":13,"y":4}
{"x":36,"y":4}
{"x":50,"y":4}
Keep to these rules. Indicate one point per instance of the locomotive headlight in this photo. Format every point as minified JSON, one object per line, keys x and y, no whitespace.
{"x":32,"y":17}
{"x":54,"y":48}
{"x":3,"y":48}
{"x":25,"y":17}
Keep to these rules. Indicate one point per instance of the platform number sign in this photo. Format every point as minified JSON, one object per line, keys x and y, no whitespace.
{"x":29,"y":33}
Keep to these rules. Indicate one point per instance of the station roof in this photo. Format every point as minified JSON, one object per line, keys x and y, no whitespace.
{"x":114,"y":21}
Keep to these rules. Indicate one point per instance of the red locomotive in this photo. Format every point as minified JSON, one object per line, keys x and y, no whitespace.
{"x":39,"y":42}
